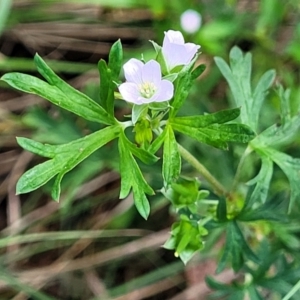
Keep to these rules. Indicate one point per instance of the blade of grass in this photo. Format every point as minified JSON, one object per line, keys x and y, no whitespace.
{"x":15,"y":283}
{"x":26,"y":65}
{"x":66,"y":235}
{"x":107,"y":3}
{"x":5,"y":6}
{"x":159,"y":274}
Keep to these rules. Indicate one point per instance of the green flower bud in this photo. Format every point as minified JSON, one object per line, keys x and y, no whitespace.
{"x":143,"y":132}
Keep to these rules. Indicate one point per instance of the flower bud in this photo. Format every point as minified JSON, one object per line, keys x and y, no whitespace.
{"x":143,"y":132}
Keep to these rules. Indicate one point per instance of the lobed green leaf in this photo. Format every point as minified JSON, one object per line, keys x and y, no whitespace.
{"x":262,"y":181}
{"x":201,"y":121}
{"x":132,"y":177}
{"x":217,"y":135}
{"x":58,"y":92}
{"x":278,"y":135}
{"x":64,"y":158}
{"x":238,"y":76}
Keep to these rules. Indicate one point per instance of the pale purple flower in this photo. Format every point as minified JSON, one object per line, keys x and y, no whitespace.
{"x":144,"y":83}
{"x":190,"y":21}
{"x":175,"y":51}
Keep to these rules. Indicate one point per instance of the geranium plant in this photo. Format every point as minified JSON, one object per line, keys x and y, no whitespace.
{"x":156,"y":90}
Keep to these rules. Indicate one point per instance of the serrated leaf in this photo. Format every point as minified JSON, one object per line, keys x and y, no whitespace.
{"x":65,"y":158}
{"x":132,"y":177}
{"x":58,"y":92}
{"x":171,"y":158}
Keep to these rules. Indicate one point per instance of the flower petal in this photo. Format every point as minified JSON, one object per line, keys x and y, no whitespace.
{"x":133,"y":70}
{"x":130,"y":92}
{"x":164,"y":92}
{"x":191,"y":50}
{"x":175,"y":55}
{"x":152,"y":72}
{"x":173,"y":36}
{"x":175,"y":51}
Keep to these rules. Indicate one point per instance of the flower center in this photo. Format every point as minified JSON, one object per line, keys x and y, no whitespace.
{"x":147,"y":89}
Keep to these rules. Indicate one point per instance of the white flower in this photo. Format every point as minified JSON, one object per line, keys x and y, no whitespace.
{"x":175,"y":51}
{"x":190,"y":21}
{"x":144,"y":83}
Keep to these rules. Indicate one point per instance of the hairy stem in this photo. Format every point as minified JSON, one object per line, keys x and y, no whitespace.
{"x":219,"y":189}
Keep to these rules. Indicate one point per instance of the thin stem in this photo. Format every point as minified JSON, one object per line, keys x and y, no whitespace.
{"x":126,"y":124}
{"x":293,"y":291}
{"x":219,"y":189}
{"x":240,"y":168}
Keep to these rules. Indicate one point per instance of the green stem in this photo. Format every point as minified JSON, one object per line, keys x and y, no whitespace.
{"x":240,"y":168}
{"x":219,"y":189}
